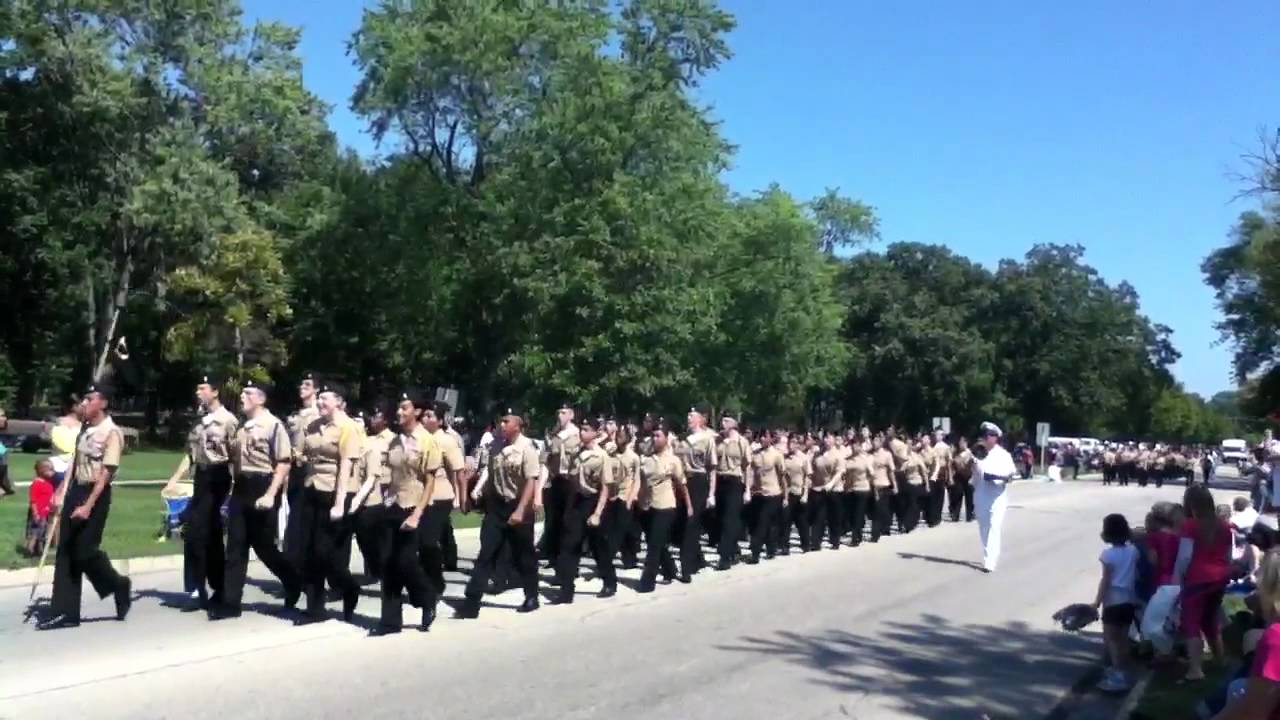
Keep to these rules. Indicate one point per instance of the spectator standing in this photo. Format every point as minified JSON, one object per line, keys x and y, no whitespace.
{"x":40,"y":500}
{"x":1202,"y":569}
{"x":1118,"y":598}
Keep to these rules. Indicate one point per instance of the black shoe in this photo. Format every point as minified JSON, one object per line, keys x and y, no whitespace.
{"x":630,"y":564}
{"x":685,"y":578}
{"x":723,"y":565}
{"x":783,"y":553}
{"x":470,"y":610}
{"x":428,"y":617}
{"x":645,"y":588}
{"x":349,"y":603}
{"x":310,"y":618}
{"x":124,"y":598}
{"x":753,"y":560}
{"x":562,"y":598}
{"x":58,"y":622}
{"x":769,"y":556}
{"x":222,"y":612}
{"x":555,"y":582}
{"x":529,"y":605}
{"x":381,"y":630}
{"x":608,"y":592}
{"x":291,"y":596}
{"x":835,"y":546}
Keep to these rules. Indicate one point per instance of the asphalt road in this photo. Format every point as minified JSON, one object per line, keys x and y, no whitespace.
{"x":907,"y":628}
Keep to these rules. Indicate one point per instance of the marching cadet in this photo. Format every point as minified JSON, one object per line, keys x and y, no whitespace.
{"x":799,"y":478}
{"x":857,"y":481}
{"x":699,"y":457}
{"x":449,"y":542}
{"x":1142,"y":465}
{"x":728,"y":487}
{"x":331,"y":445}
{"x":911,"y":494}
{"x":837,"y":523}
{"x":939,"y":479}
{"x":768,"y":496}
{"x":961,"y":490}
{"x":514,"y":475}
{"x":290,"y":521}
{"x":411,"y":455}
{"x":992,"y":476}
{"x":662,"y":475}
{"x":1108,"y":465}
{"x":903,"y":495}
{"x":211,"y":453}
{"x":626,"y":525}
{"x":828,"y":471}
{"x":884,"y":487}
{"x":372,"y":498}
{"x":84,"y":499}
{"x":586,"y":517}
{"x":263,"y":455}
{"x":442,"y":495}
{"x":562,"y":454}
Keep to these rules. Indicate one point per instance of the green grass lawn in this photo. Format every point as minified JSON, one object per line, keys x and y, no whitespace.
{"x":136,"y":465}
{"x":132,"y":527}
{"x":1165,"y":699}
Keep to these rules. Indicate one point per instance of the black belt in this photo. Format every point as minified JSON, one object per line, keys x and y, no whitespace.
{"x":992,"y":477}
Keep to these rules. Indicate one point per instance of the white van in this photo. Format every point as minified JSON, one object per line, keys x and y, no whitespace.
{"x":1234,"y":451}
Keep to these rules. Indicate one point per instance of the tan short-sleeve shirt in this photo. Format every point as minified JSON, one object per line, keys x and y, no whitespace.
{"x":768,"y":471}
{"x":99,"y":446}
{"x":660,"y":472}
{"x":262,"y":442}
{"x":215,"y":432}
{"x":516,"y":466}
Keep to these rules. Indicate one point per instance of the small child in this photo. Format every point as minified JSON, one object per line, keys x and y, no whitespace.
{"x":40,"y":506}
{"x":1118,"y":599}
{"x":1162,"y":542}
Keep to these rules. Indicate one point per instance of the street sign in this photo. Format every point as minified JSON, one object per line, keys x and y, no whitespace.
{"x":1042,"y":434}
{"x":943,"y":424}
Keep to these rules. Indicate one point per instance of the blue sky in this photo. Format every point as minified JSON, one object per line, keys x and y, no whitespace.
{"x":986,"y":127}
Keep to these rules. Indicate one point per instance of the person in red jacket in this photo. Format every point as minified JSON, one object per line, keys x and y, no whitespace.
{"x":40,"y":498}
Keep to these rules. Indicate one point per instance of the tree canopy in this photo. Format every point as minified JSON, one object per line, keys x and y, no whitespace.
{"x":547,"y":223}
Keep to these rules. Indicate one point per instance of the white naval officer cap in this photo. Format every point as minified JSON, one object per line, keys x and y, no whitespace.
{"x":990,"y":428}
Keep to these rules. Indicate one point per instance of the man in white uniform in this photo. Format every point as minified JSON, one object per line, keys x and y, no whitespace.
{"x":991,"y":480}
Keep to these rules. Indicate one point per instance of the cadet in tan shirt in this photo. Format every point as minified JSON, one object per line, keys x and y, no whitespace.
{"x":586,"y":517}
{"x":626,"y":525}
{"x":412,"y":456}
{"x":961,"y":490}
{"x":369,"y":504}
{"x":795,"y":513}
{"x":562,"y":460}
{"x":939,"y":455}
{"x":291,"y":524}
{"x":84,"y":500}
{"x":733,"y":464}
{"x":910,"y":494}
{"x":884,"y":489}
{"x":514,"y":476}
{"x":700,"y":465}
{"x":443,"y":494}
{"x":828,"y":472}
{"x":262,"y":455}
{"x":331,"y":445}
{"x":212,"y":438}
{"x":857,"y":482}
{"x":768,"y":496}
{"x":662,"y":474}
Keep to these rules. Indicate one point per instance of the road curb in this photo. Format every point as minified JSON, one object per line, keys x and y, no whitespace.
{"x":24,"y":577}
{"x":1134,"y":697}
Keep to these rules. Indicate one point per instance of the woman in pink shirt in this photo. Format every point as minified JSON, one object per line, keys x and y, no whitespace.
{"x":1261,"y":700}
{"x":1203,"y":568}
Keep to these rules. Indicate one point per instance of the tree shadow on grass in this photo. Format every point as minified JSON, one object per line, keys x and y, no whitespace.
{"x":935,"y":668}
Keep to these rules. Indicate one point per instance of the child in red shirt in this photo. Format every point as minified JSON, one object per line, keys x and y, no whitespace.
{"x":40,"y":506}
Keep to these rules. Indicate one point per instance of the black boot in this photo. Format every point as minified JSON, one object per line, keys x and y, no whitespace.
{"x":529,"y":605}
{"x":124,"y":598}
{"x":470,"y":610}
{"x":608,"y":591}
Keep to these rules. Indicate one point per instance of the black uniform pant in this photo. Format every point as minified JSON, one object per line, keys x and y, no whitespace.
{"x":794,"y":515}
{"x":689,"y":530}
{"x":1108,"y":474}
{"x":80,"y":553}
{"x":658,"y":525}
{"x":729,"y":490}
{"x":495,"y":534}
{"x":403,"y":572}
{"x":295,"y":550}
{"x":249,"y":527}
{"x":370,"y":533}
{"x":936,"y":499}
{"x":555,"y":499}
{"x":449,"y":545}
{"x":325,"y":540}
{"x":882,"y":512}
{"x":765,"y":518}
{"x":202,"y":548}
{"x":432,"y":532}
{"x":859,"y":502}
{"x":598,"y":539}
{"x":816,"y":516}
{"x":908,"y":506}
{"x":1143,"y":475}
{"x":835,"y":517}
{"x":960,"y":493}
{"x":624,"y":533}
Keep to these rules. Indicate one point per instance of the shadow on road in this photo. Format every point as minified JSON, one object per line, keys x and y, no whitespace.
{"x":941,"y":560}
{"x":939,"y":669}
